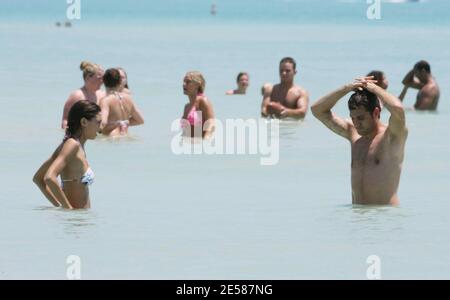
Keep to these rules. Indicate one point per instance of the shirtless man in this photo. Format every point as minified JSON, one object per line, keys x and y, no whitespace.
{"x":377,"y":149}
{"x":420,"y":78}
{"x":285,"y":99}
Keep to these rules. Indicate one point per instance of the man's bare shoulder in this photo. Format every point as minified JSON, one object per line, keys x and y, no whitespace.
{"x":299,"y":90}
{"x":430,"y":90}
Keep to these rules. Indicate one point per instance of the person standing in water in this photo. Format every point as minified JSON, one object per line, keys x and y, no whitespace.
{"x":242,"y":82}
{"x":118,"y":108}
{"x":198,"y":115}
{"x":69,"y":160}
{"x":93,"y":80}
{"x":420,"y":78}
{"x":377,"y":150}
{"x":285,"y":99}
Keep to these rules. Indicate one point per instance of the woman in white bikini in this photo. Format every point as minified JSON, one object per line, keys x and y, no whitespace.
{"x":69,"y":160}
{"x":118,"y":108}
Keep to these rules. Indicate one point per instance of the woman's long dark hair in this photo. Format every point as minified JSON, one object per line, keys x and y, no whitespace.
{"x":81,"y":109}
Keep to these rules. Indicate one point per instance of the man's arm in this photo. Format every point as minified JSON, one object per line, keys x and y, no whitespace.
{"x":267,"y":93}
{"x":321,"y":109}
{"x":403,"y":93}
{"x":411,"y":81}
{"x":302,"y":107}
{"x":397,"y":122}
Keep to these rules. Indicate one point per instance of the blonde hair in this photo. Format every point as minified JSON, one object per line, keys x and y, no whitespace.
{"x":198,"y":78}
{"x":89,"y":69}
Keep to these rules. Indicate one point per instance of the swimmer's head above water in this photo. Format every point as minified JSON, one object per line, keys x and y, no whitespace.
{"x":422,"y":70}
{"x":288,"y":70}
{"x":194,"y":83}
{"x":242,"y":80}
{"x":112,"y":79}
{"x":365,"y":111}
{"x":92,"y":73}
{"x":83,"y":121}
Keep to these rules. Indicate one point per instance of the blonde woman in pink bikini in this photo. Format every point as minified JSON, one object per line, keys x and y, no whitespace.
{"x":198,"y":115}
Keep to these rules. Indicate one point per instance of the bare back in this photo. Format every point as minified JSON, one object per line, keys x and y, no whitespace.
{"x":120,"y":108}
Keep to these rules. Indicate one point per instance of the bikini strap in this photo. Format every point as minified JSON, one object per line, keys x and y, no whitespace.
{"x":121,"y":104}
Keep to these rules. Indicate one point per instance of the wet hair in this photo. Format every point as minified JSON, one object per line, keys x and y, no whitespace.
{"x":423,"y":65}
{"x":289,"y":60}
{"x":198,"y":78}
{"x":81,"y":109}
{"x":377,"y":75}
{"x":126,"y":76}
{"x":89,"y":69}
{"x":111,"y":78}
{"x":240,"y":75}
{"x":365,"y":99}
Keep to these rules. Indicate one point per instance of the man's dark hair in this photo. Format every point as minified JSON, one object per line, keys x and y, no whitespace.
{"x":365,"y":99}
{"x":289,"y":60}
{"x":377,"y":75}
{"x":423,"y":65}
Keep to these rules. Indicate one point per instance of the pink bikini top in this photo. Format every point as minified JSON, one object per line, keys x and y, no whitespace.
{"x":193,"y":117}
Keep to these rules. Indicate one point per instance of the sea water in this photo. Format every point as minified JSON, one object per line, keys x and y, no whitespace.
{"x":157,"y":215}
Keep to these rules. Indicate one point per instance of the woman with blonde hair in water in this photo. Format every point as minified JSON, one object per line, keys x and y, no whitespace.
{"x":93,"y":80}
{"x":118,"y":108}
{"x":198,"y":114}
{"x":69,"y":160}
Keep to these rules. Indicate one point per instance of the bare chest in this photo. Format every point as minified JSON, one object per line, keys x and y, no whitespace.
{"x":286,"y":98}
{"x":373,"y":153}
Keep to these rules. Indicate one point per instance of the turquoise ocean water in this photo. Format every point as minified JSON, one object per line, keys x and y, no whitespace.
{"x":156,"y":215}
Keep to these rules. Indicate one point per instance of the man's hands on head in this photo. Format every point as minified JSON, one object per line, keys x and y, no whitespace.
{"x":367,"y":82}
